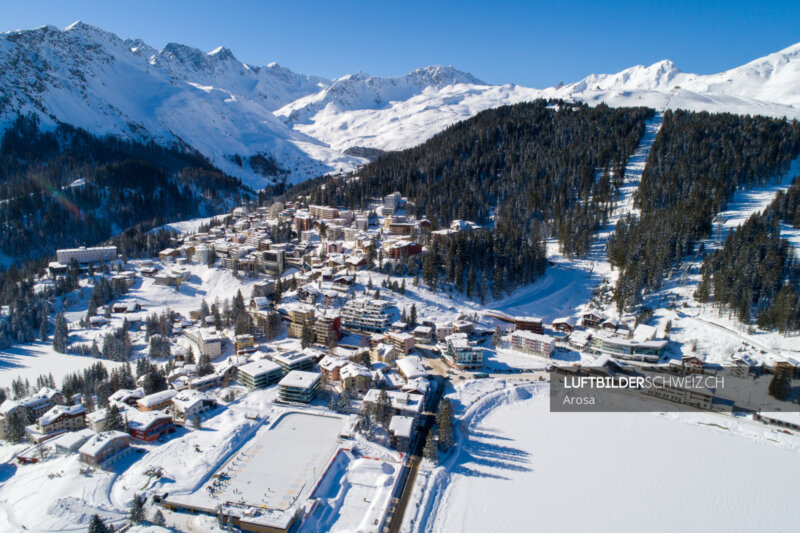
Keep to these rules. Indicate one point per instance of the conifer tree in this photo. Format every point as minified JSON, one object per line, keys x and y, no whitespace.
{"x":114,"y":420}
{"x":60,"y":334}
{"x":15,"y":431}
{"x":137,"y":509}
{"x":444,"y":420}
{"x":96,"y":525}
{"x":430,"y":451}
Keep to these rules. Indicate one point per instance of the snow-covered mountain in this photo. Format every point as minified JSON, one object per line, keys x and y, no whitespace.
{"x":766,"y":86}
{"x":211,"y":102}
{"x":222,"y":107}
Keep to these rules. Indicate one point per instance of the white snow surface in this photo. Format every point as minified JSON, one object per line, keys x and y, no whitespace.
{"x":219,"y":106}
{"x":593,"y":472}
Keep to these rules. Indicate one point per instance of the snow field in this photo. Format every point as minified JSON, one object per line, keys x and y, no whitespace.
{"x":507,"y":475}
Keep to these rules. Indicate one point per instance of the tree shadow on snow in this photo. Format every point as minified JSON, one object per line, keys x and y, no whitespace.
{"x":482,"y":453}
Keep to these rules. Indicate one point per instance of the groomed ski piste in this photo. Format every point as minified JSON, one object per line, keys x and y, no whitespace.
{"x":518,"y":466}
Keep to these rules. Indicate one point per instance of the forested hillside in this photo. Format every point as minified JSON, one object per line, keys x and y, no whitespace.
{"x":66,"y":187}
{"x":756,"y":273}
{"x":697,"y":162}
{"x":525,"y":171}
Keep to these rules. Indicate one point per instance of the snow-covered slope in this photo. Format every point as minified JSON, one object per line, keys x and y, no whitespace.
{"x":767,"y":85}
{"x":394,"y":124}
{"x":356,"y":111}
{"x":210,"y":102}
{"x":222,"y":107}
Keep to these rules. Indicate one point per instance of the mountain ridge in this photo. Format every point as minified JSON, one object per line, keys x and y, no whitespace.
{"x":230,"y":111}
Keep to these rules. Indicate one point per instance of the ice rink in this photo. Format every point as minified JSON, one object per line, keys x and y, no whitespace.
{"x":279,"y":464}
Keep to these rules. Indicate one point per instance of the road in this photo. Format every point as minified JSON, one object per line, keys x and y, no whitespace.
{"x":413,"y":460}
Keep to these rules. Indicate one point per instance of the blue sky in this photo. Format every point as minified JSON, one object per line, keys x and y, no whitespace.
{"x":533,"y":43}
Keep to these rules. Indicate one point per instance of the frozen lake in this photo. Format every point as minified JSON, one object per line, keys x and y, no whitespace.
{"x":525,"y":468}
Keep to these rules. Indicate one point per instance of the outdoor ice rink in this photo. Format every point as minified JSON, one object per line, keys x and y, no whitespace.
{"x":280,"y":463}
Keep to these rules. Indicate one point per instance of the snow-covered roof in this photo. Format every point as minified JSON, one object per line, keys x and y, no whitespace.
{"x":145,"y":419}
{"x":787,"y":417}
{"x":353,"y":370}
{"x":300,"y":379}
{"x":403,"y":401}
{"x":157,"y":398}
{"x":292,"y":357}
{"x":123,"y":395}
{"x":401,"y":426}
{"x":420,"y":385}
{"x":73,"y":439}
{"x":411,"y":367}
{"x":8,"y":406}
{"x":332,"y":362}
{"x":400,"y":336}
{"x":52,"y":415}
{"x":188,"y":398}
{"x":644,"y":333}
{"x":96,"y":444}
{"x":532,"y":336}
{"x":262,"y":366}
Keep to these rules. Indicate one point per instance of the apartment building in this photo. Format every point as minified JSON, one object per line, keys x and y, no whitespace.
{"x":533,"y":343}
{"x":366,"y":314}
{"x":299,"y":386}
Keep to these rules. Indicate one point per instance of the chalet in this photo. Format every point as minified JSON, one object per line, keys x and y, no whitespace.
{"x":593,"y":319}
{"x":330,"y":367}
{"x":610,"y":324}
{"x":401,"y":429}
{"x":244,"y":344}
{"x":70,"y":443}
{"x":168,"y":255}
{"x":528,"y":323}
{"x":156,"y":401}
{"x":355,"y":378}
{"x":564,"y":325}
{"x":126,"y":307}
{"x":384,"y":353}
{"x":410,"y":367}
{"x":104,"y":448}
{"x":692,"y":364}
{"x":127,"y":397}
{"x":463,"y":326}
{"x":60,"y":419}
{"x":188,"y":404}
{"x":419,"y":385}
{"x":207,"y":382}
{"x":150,"y":425}
{"x":403,"y":403}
